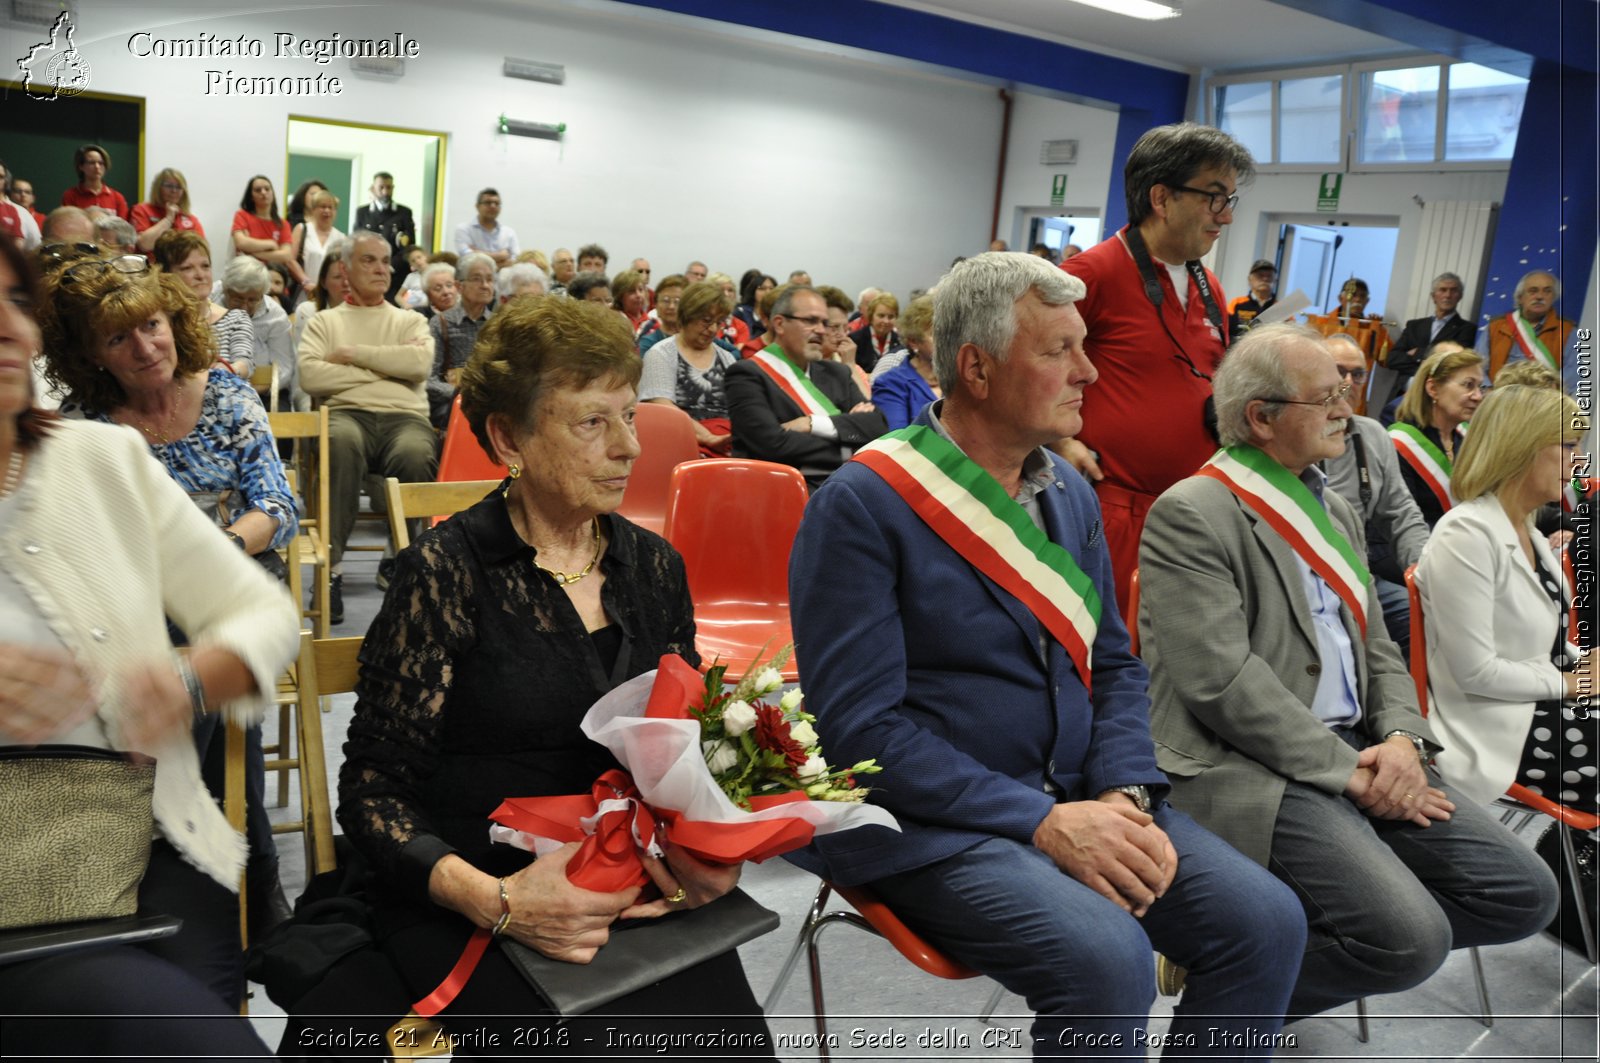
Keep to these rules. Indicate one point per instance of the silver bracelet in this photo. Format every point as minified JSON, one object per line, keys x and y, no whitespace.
{"x":191,"y":683}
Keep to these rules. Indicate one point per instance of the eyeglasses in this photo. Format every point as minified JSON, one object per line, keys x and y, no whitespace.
{"x":129,"y":264}
{"x":1220,"y":201}
{"x":1338,"y":395}
{"x":1356,"y":375}
{"x":175,"y":186}
{"x":668,"y":301}
{"x":809,"y":322}
{"x":62,"y":252}
{"x":843,"y":326}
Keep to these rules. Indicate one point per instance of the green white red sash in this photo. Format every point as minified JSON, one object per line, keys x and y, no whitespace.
{"x":1426,"y":460}
{"x":1278,"y":497}
{"x":970,"y":511}
{"x":1575,"y":492}
{"x":1532,"y":346}
{"x":793,"y":382}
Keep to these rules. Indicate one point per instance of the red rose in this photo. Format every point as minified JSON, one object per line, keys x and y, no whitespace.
{"x":772,"y":732}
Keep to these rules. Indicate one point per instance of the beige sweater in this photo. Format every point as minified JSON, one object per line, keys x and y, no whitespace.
{"x":393,"y":355}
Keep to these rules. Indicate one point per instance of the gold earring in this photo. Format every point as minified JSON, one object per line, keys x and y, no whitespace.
{"x":515,"y":470}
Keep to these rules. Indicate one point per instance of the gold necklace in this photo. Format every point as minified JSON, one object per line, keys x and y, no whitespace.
{"x":565,"y":579}
{"x":166,"y":430}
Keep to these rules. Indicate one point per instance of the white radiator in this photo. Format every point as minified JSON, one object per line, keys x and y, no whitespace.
{"x":1455,"y":237}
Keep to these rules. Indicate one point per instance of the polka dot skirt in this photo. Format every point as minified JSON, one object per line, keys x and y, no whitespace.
{"x":1560,"y":755}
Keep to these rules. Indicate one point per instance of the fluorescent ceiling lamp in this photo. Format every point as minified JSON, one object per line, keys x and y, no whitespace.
{"x":1145,"y":9}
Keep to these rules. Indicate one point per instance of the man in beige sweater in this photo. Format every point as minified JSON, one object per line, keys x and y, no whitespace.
{"x":368,"y":360}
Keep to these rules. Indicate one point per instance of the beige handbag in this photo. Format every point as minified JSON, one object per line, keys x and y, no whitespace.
{"x":75,"y":829}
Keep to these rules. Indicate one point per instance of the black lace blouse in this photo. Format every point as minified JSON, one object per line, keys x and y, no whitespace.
{"x":474,"y":677}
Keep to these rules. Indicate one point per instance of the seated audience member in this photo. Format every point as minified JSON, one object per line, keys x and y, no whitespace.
{"x":93,"y":163}
{"x":439,"y":289}
{"x":309,"y":240}
{"x":762,"y":336}
{"x":455,"y":332}
{"x":1035,"y":845}
{"x":696,"y":271}
{"x":1502,"y":678}
{"x":592,"y":258}
{"x":333,"y":288}
{"x":538,"y":258}
{"x":1532,"y":330}
{"x":245,"y":283}
{"x":630,"y":294}
{"x":590,"y":286}
{"x":1284,"y":718}
{"x":519,"y":279}
{"x":903,"y":391}
{"x":664,"y":320}
{"x":1444,"y":325}
{"x":67,"y":225}
{"x":410,"y":295}
{"x":642,"y":265}
{"x":836,"y":343}
{"x":688,"y":369}
{"x":486,"y":235}
{"x":471,"y":691}
{"x":563,"y":267}
{"x":259,"y":232}
{"x":152,"y":555}
{"x":185,"y":254}
{"x":752,"y":286}
{"x":129,"y":345}
{"x":278,"y":287}
{"x":166,"y":211}
{"x":20,"y":191}
{"x":367,"y":360}
{"x":1367,"y":475}
{"x":114,"y":234}
{"x":17,"y":223}
{"x":859,"y":318}
{"x":1263,"y":280}
{"x":734,"y":331}
{"x":1428,"y":428}
{"x":877,"y":337}
{"x":790,"y":406}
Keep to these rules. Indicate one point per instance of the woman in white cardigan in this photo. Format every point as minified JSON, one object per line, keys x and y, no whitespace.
{"x":1503,"y":681}
{"x":98,"y":547}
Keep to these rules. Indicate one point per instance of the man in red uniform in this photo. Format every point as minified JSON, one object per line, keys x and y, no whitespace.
{"x":1157,"y":329}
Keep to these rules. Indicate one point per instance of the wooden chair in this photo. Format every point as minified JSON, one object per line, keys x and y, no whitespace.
{"x":325,"y":666}
{"x":437,"y":500}
{"x":264,"y":378}
{"x":310,"y":479}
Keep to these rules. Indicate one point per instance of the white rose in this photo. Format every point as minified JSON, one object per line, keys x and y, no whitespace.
{"x":813,"y":768}
{"x":803,"y":733}
{"x":720,"y":756}
{"x":738,"y":718}
{"x":791,"y":701}
{"x":768,"y":681}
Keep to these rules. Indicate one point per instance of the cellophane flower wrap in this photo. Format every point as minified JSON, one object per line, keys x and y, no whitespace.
{"x":722,"y":775}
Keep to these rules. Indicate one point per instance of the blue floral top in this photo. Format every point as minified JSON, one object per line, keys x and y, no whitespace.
{"x":230,"y":456}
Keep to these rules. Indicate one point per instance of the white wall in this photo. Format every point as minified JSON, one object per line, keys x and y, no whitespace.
{"x":682,"y":143}
{"x":1035,"y":119}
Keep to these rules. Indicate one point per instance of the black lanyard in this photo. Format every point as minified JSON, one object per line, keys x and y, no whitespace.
{"x":1153,"y":292}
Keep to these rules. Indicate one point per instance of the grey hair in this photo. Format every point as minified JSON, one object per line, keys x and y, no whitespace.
{"x":465,"y":263}
{"x":1447,"y":276}
{"x":1172,"y":154}
{"x":347,"y":253}
{"x":113,"y":230}
{"x":976,"y":303}
{"x":1347,"y":339}
{"x":1254,"y":368}
{"x":433,"y":269}
{"x":1523,"y":282}
{"x":513,"y":277}
{"x":245,"y":276}
{"x":785,"y":300}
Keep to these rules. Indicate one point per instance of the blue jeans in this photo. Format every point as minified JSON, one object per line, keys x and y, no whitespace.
{"x":1085,"y":966}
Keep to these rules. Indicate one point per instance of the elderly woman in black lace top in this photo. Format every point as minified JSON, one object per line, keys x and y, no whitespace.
{"x":500,"y":628}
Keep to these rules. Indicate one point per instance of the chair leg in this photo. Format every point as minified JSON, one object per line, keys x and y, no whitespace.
{"x":1485,"y":1014}
{"x":284,"y":722}
{"x":994,"y":1002}
{"x":819,"y":1006}
{"x":1362,"y":1033}
{"x":1575,"y":879}
{"x":801,"y":942}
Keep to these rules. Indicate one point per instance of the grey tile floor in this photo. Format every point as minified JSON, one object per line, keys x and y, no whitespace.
{"x":1544,"y":997}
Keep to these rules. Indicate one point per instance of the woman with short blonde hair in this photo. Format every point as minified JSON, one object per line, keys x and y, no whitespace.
{"x":1430,"y":424}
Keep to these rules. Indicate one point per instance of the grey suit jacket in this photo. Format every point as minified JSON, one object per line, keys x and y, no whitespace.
{"x":1226,"y":630}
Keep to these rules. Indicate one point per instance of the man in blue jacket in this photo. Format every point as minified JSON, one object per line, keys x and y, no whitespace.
{"x":954,"y":619}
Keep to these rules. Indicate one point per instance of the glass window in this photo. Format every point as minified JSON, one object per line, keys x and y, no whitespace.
{"x":1399,"y":115}
{"x":1483,"y":112}
{"x":1308,"y":119}
{"x":1244,"y":111}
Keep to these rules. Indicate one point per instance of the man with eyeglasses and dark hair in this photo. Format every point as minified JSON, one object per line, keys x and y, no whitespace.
{"x":1286,"y":721}
{"x":1367,"y":475}
{"x":1157,"y":328}
{"x":486,"y":235}
{"x":789,"y":404}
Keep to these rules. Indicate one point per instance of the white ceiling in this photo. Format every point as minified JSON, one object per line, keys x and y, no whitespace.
{"x":1212,"y":34}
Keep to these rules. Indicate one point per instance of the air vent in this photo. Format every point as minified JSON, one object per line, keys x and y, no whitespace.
{"x":1059,"y":153}
{"x":532,"y":70}
{"x":376,"y":66}
{"x":40,"y":12}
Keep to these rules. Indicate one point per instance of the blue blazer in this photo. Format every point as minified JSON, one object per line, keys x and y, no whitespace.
{"x":911,"y":656}
{"x":900,"y":394}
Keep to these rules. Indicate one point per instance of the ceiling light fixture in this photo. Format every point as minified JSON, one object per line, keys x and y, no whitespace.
{"x":1151,"y":10}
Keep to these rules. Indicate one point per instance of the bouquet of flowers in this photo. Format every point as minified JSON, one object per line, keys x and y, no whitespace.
{"x":726,"y":776}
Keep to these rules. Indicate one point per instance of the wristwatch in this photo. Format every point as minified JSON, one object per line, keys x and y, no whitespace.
{"x":1415,"y":740}
{"x":1140,"y":795}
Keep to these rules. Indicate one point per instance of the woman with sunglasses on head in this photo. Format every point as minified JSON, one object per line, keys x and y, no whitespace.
{"x":99,"y":545}
{"x":187,"y":256}
{"x":259,"y":232}
{"x":128,"y":345}
{"x":167,"y":210}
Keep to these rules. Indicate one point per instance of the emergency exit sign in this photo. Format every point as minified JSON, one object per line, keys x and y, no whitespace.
{"x":1058,"y":190}
{"x":1328,"y":192}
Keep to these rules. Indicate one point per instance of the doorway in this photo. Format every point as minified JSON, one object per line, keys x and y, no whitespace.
{"x":345,"y":156}
{"x":1056,"y":227}
{"x":1317,"y":255}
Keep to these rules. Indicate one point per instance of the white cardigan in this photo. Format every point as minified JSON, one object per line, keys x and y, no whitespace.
{"x":107,"y":545}
{"x":1490,"y":626}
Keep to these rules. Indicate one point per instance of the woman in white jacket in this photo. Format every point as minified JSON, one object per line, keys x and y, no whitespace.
{"x":1511,"y":700}
{"x":98,"y":547}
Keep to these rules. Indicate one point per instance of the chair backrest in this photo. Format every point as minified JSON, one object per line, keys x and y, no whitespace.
{"x":264,"y":378}
{"x":734,"y":521}
{"x":326,"y":666}
{"x":310,"y":463}
{"x":1132,"y":619}
{"x":461,"y":457}
{"x":409,"y":501}
{"x":1419,"y":640}
{"x":666,"y":440}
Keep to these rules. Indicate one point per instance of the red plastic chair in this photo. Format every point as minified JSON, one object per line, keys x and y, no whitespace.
{"x":666,"y":440}
{"x":734,"y":521}
{"x":1132,"y":619}
{"x":462,"y":457}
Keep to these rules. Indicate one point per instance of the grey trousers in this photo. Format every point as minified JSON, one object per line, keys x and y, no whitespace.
{"x":402,"y":445}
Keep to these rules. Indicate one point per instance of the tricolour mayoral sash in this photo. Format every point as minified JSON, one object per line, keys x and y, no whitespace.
{"x":970,"y":511}
{"x":1426,"y":460}
{"x":1532,"y":346}
{"x":793,"y":382}
{"x":1277,"y":496}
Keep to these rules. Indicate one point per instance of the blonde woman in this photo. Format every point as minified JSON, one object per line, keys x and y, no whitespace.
{"x":1431,"y":423}
{"x":166,"y":211}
